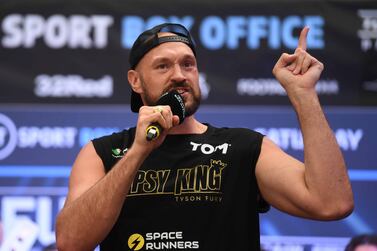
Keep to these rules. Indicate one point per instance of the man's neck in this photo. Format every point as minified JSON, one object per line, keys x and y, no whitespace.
{"x":189,"y":126}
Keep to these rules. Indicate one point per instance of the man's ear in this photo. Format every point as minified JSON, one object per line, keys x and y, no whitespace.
{"x":134,"y":80}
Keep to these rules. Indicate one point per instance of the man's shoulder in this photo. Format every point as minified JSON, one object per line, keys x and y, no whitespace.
{"x":113,"y":146}
{"x":116,"y":136}
{"x":116,"y":140}
{"x":235,"y":131}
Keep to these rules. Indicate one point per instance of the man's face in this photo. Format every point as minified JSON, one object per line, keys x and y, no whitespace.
{"x":169,"y":66}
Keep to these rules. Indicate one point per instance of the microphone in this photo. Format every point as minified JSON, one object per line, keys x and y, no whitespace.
{"x":177,"y":106}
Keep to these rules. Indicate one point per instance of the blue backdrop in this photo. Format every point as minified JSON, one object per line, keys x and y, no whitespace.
{"x":63,"y":82}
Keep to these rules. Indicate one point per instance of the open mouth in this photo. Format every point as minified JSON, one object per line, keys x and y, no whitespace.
{"x":181,"y":91}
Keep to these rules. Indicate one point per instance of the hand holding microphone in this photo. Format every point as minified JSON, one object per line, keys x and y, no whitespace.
{"x":177,"y":106}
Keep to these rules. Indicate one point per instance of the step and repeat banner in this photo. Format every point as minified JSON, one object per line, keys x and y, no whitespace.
{"x":63,"y":68}
{"x":64,"y":52}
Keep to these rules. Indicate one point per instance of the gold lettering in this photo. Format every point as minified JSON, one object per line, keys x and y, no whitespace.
{"x":138,"y":181}
{"x":200,"y":179}
{"x":150,"y":182}
{"x":181,"y":182}
{"x":215,"y":175}
{"x":163,"y":176}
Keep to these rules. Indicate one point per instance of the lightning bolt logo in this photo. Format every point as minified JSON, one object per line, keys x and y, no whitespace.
{"x":136,"y":242}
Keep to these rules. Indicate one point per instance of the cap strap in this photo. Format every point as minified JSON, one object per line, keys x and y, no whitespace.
{"x":173,"y":39}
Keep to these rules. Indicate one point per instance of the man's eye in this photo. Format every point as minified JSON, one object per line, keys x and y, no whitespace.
{"x":188,"y":64}
{"x":162,"y":66}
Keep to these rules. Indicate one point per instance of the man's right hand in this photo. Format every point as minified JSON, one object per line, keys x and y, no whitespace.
{"x":160,"y":114}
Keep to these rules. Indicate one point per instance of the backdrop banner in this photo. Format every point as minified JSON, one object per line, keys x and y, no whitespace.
{"x":64,"y":52}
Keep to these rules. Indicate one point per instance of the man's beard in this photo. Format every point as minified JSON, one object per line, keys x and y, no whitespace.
{"x":190,"y":109}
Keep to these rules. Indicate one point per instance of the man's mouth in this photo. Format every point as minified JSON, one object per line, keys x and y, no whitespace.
{"x":181,"y":88}
{"x":181,"y":91}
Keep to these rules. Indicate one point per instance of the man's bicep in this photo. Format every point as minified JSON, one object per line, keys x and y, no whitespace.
{"x":281,"y":179}
{"x":86,"y":171}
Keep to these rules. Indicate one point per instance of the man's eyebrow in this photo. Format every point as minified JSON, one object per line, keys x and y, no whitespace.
{"x":159,"y":59}
{"x":189,"y":56}
{"x":165,"y":58}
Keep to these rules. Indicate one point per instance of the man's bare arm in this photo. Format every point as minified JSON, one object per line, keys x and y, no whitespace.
{"x":320,"y":188}
{"x":95,"y":199}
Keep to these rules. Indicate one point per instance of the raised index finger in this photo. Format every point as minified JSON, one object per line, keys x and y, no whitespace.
{"x":302,"y":38}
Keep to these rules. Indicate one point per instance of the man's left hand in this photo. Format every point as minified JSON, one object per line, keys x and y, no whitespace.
{"x":298,"y":72}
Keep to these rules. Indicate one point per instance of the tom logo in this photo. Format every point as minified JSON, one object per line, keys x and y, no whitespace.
{"x":209,"y":149}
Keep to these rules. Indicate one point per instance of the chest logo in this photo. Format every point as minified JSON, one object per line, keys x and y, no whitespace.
{"x":198,"y":183}
{"x":136,"y":242}
{"x":118,"y":153}
{"x":209,"y":149}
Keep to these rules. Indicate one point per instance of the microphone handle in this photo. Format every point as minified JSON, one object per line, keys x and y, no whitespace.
{"x":153,"y":131}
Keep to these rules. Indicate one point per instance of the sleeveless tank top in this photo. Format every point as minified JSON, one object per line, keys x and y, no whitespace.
{"x":194,"y":192}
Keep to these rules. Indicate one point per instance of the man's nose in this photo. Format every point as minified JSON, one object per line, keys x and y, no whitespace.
{"x":178,"y":74}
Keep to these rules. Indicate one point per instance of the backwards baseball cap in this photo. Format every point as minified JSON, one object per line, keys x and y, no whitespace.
{"x":149,"y":39}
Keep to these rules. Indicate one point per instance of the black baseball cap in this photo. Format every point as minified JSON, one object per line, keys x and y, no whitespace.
{"x":149,"y":39}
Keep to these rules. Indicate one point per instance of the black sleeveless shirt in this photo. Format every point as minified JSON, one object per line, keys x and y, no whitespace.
{"x":195,"y":192}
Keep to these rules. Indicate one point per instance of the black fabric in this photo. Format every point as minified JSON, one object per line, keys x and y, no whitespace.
{"x":202,"y":186}
{"x":149,"y":39}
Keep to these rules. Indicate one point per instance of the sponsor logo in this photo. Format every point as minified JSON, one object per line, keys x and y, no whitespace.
{"x":56,"y":31}
{"x":132,"y":26}
{"x":291,"y":138}
{"x":118,"y":153}
{"x":88,"y":133}
{"x":368,"y":41}
{"x":47,"y":137}
{"x":198,"y":183}
{"x":60,"y":86}
{"x":230,"y":32}
{"x":209,"y":149}
{"x":8,"y":136}
{"x":271,"y":87}
{"x":31,"y":137}
{"x":368,"y":31}
{"x":214,"y":32}
{"x":161,"y":241}
{"x":136,"y":242}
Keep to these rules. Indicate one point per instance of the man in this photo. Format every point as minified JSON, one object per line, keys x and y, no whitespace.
{"x":187,"y":189}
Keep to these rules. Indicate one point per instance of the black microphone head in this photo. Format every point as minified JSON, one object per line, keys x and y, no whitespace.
{"x":176,"y":103}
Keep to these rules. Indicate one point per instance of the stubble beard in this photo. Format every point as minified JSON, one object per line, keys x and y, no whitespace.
{"x":190,"y":107}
